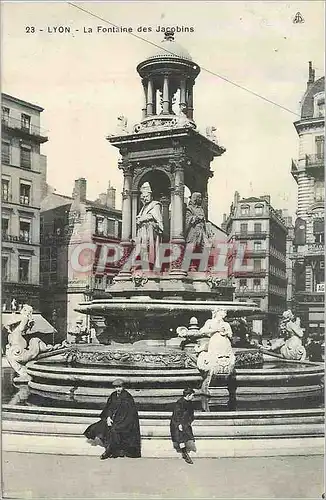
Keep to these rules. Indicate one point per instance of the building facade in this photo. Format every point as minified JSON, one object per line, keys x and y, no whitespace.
{"x":73,"y":232}
{"x":261,"y":232}
{"x":23,"y":179}
{"x":309,"y":241}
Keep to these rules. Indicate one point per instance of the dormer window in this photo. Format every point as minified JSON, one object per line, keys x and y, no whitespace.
{"x":319,"y":105}
{"x":245,"y":209}
{"x":259,"y":209}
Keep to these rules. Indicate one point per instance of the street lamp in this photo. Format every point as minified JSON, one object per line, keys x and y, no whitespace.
{"x":54,"y":323}
{"x":88,"y":295}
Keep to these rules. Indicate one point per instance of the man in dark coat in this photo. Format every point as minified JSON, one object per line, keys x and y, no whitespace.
{"x":118,"y":428}
{"x":180,"y":425}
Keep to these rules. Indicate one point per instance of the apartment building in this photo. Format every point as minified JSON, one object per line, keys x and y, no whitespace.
{"x":262,"y":232}
{"x":73,"y":228}
{"x":23,"y":179}
{"x":309,"y":241}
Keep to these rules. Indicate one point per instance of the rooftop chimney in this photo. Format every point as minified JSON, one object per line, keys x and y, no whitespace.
{"x":79,"y":191}
{"x":266,"y":197}
{"x":110,"y":196}
{"x":102,"y":198}
{"x":236,"y":198}
{"x":311,"y":75}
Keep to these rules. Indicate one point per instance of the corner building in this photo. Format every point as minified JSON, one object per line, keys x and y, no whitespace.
{"x":262,"y":231}
{"x":309,"y":241}
{"x":23,"y":180}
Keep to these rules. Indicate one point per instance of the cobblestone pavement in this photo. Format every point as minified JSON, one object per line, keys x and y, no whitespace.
{"x":29,"y":476}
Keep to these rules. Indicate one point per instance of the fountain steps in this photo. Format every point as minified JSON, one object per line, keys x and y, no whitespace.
{"x":218,"y":434}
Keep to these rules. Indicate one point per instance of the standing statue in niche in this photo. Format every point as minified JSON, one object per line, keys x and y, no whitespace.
{"x":195,"y":221}
{"x":149,"y":224}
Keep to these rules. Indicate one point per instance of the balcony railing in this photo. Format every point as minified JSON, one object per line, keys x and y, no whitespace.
{"x":5,"y":158}
{"x":251,"y":292}
{"x":316,"y":248}
{"x":31,"y":129}
{"x":309,"y":297}
{"x":15,"y":239}
{"x":241,"y":235}
{"x":315,"y":161}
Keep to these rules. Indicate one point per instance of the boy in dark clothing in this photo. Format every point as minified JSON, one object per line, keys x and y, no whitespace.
{"x":180,"y":425}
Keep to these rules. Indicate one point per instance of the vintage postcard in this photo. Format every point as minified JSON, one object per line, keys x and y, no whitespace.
{"x":162,"y":257}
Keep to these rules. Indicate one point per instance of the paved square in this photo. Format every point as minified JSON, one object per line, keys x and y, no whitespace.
{"x":29,"y":476}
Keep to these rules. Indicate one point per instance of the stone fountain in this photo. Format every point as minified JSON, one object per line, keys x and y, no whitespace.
{"x":155,"y":327}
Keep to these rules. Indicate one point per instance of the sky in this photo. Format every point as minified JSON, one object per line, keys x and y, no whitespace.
{"x":84,"y":81}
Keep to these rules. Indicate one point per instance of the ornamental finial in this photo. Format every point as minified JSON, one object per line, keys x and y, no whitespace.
{"x":169,"y":35}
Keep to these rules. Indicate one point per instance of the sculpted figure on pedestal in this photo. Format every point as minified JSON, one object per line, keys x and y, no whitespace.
{"x":293,"y":333}
{"x":18,"y":352}
{"x":149,"y":223}
{"x":216,"y":358}
{"x":195,"y":222}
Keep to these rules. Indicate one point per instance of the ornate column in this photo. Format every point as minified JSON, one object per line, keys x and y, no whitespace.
{"x":126,"y":202}
{"x":183,"y":102}
{"x":134,"y":198}
{"x":166,"y":107}
{"x":190,"y":113}
{"x":177,"y":220}
{"x":165,"y":202}
{"x":144,"y":108}
{"x":177,"y":203}
{"x":150,"y":97}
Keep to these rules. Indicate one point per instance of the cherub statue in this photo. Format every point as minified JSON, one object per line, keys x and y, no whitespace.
{"x":122,"y":124}
{"x":210,"y":133}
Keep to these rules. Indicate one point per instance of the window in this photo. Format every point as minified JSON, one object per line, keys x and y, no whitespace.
{"x":319,"y":230}
{"x":5,"y":152}
{"x":5,"y":115}
{"x":245,"y":209}
{"x":24,"y":230}
{"x":109,"y":280}
{"x":243,"y":228}
{"x":98,"y":282}
{"x":25,"y":157}
{"x":242,"y":284}
{"x":257,"y":285}
{"x":24,"y":269}
{"x":257,"y":245}
{"x":319,"y":141}
{"x":257,"y":227}
{"x":5,"y":189}
{"x":4,"y":267}
{"x":25,"y":193}
{"x":99,"y":225}
{"x":319,"y":191}
{"x":257,"y":265}
{"x":319,"y":105}
{"x":5,"y":227}
{"x":111,"y":227}
{"x":259,"y":209}
{"x":26,"y":122}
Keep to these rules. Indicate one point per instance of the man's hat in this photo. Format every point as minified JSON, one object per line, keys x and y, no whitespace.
{"x":118,"y":382}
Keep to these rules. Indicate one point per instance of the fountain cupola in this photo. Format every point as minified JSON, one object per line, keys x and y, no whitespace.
{"x":168,"y":77}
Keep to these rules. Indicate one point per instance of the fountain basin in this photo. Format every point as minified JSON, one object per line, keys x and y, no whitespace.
{"x":142,"y":317}
{"x":83,"y":376}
